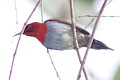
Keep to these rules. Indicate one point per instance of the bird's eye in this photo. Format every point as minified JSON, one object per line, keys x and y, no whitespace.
{"x":29,"y":28}
{"x":29,"y":31}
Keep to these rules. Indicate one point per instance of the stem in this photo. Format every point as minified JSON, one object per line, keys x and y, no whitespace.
{"x":94,"y":17}
{"x":97,"y":16}
{"x":42,"y":11}
{"x":16,"y":15}
{"x":16,"y":12}
{"x":53,"y":65}
{"x":20,"y":38}
{"x":75,"y":36}
{"x":91,"y":39}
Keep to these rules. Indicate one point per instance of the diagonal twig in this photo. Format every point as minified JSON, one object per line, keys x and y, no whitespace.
{"x":75,"y":36}
{"x":53,"y":65}
{"x":47,"y":48}
{"x":94,"y":17}
{"x":20,"y":38}
{"x":91,"y":39}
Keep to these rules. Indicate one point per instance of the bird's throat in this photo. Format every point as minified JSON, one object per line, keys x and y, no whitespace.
{"x":41,"y":32}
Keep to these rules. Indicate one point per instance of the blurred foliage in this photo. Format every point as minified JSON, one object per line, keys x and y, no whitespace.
{"x":61,"y":9}
{"x":117,"y":75}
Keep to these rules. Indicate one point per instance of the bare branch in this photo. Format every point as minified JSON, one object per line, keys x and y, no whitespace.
{"x":91,"y":39}
{"x":53,"y":65}
{"x":16,"y":14}
{"x":47,"y":48}
{"x":96,"y":16}
{"x":42,"y":11}
{"x":20,"y":38}
{"x":75,"y":36}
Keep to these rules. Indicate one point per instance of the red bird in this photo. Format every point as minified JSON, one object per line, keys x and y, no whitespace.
{"x":57,"y":34}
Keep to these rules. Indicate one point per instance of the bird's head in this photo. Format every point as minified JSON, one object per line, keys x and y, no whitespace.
{"x":35,"y":29}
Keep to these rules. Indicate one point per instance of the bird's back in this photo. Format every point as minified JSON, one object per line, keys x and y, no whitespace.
{"x":59,"y":35}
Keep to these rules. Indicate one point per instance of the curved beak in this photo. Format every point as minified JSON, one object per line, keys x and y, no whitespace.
{"x":17,"y":34}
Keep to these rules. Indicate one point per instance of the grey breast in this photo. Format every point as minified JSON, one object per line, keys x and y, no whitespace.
{"x":59,"y":35}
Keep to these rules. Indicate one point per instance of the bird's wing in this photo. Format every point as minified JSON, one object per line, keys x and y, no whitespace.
{"x":83,"y":31}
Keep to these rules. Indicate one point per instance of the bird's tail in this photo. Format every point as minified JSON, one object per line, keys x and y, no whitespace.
{"x":97,"y":44}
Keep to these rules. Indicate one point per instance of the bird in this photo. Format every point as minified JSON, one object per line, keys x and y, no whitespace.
{"x":57,"y":34}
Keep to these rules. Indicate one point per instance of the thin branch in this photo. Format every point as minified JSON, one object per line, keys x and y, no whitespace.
{"x":20,"y":38}
{"x":47,"y":48}
{"x":16,"y":14}
{"x":91,"y":39}
{"x":91,"y":21}
{"x":42,"y":11}
{"x":96,"y":16}
{"x":109,"y":2}
{"x":75,"y":36}
{"x":53,"y":65}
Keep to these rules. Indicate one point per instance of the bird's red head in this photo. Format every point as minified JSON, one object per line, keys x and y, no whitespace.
{"x":37,"y":30}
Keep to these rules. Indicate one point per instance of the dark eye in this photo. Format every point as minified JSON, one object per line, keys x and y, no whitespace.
{"x":29,"y":31}
{"x":28,"y":28}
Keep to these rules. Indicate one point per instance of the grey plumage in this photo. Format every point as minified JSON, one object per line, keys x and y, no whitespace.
{"x":60,"y":37}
